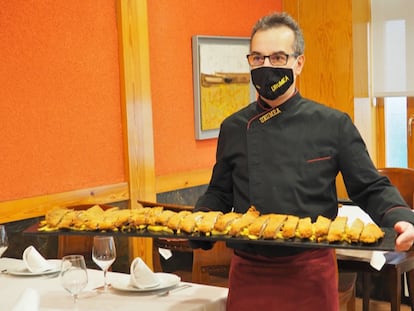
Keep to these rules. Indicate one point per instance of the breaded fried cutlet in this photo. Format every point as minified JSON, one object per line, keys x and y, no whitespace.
{"x":354,"y":231}
{"x":175,"y":221}
{"x":209,"y":220}
{"x":115,"y":219}
{"x":371,"y":233}
{"x":68,"y":220}
{"x":161,"y":222}
{"x":223,"y":223}
{"x":244,"y":221}
{"x":337,"y":229}
{"x":95,"y":210}
{"x":321,"y":228}
{"x":93,"y":216}
{"x":164,"y":217}
{"x":80,"y":220}
{"x":255,"y":229}
{"x":153,"y":213}
{"x":305,"y":228}
{"x":55,"y":215}
{"x":189,"y":223}
{"x":139,"y":217}
{"x":124,"y":218}
{"x":273,"y":226}
{"x":289,"y":227}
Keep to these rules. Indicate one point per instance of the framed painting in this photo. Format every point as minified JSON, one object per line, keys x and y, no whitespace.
{"x":221,"y":77}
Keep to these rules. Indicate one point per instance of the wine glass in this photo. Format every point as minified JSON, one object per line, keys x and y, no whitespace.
{"x":73,"y":275}
{"x":3,"y":240}
{"x":104,"y":254}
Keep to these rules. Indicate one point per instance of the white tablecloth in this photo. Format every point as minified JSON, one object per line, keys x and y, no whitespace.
{"x":352,"y":212}
{"x":53,"y":297}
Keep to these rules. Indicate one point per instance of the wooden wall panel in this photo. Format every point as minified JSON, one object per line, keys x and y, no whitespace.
{"x":361,"y":16}
{"x":328,"y":74}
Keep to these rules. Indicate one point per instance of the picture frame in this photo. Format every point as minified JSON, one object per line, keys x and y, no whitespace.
{"x":221,"y":77}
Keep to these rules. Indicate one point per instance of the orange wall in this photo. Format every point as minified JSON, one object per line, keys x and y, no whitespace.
{"x":172,"y":23}
{"x":60,"y":116}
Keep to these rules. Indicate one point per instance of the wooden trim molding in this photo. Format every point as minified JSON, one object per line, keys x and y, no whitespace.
{"x":38,"y":206}
{"x":380,"y":132}
{"x":182,"y":180}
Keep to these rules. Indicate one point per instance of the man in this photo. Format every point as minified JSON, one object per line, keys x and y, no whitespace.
{"x":282,"y":154}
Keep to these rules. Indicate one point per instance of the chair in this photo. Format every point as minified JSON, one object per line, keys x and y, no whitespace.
{"x":212,"y":267}
{"x":209,"y":267}
{"x":76,"y":244}
{"x":347,"y":290}
{"x":403,"y":179}
{"x":174,"y":245}
{"x":397,"y":263}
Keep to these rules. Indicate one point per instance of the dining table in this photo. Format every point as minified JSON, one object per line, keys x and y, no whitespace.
{"x":44,"y":292}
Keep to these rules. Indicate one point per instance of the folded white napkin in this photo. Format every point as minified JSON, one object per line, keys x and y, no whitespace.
{"x":28,"y":301}
{"x":34,"y":261}
{"x":141,"y":275}
{"x":378,"y":260}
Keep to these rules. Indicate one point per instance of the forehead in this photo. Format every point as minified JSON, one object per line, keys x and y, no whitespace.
{"x":273,"y":40}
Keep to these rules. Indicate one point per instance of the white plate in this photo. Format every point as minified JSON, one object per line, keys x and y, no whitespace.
{"x":166,"y":280}
{"x":21,"y":270}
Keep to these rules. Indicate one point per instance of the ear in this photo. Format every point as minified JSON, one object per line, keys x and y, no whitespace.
{"x":299,"y":64}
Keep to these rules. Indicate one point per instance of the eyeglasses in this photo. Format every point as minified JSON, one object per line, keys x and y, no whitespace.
{"x":276,"y":59}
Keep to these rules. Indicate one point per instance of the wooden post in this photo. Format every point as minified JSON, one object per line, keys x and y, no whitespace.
{"x":137,"y":109}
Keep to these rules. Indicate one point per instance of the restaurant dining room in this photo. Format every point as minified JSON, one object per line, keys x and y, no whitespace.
{"x":111,"y":114}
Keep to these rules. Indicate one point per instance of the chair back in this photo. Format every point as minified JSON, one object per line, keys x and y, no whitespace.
{"x":403,"y":180}
{"x":212,"y":267}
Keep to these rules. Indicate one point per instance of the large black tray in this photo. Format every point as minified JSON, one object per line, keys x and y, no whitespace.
{"x":387,"y":243}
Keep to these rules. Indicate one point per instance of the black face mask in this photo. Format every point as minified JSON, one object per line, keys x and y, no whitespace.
{"x":272,"y":82}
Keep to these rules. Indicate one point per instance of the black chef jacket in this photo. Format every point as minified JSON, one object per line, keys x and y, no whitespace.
{"x":285,"y":160}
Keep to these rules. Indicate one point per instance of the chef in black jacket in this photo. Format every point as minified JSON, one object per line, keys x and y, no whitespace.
{"x":282,"y":154}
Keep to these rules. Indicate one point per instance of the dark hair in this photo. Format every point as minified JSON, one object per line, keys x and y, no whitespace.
{"x":275,"y":20}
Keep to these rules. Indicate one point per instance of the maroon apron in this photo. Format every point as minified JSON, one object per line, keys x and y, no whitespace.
{"x":307,"y":281}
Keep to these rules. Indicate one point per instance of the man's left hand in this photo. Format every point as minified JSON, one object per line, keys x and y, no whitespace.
{"x":405,"y":239}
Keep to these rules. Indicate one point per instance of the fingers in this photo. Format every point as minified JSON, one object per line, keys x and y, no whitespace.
{"x":402,"y":245}
{"x":405,"y":238}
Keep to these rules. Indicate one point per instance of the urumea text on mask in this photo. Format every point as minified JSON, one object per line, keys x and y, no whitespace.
{"x":280,"y":83}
